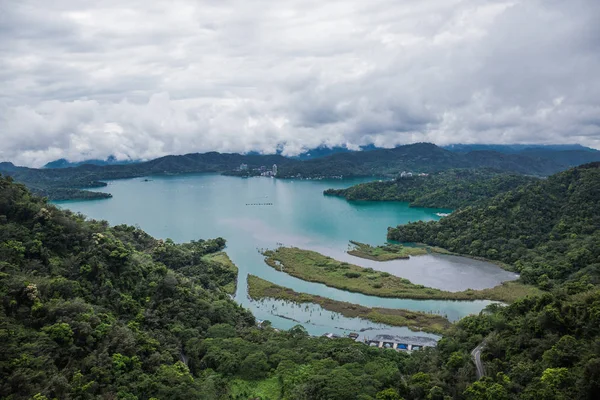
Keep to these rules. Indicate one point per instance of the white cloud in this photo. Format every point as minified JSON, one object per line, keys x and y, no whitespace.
{"x":139,"y":79}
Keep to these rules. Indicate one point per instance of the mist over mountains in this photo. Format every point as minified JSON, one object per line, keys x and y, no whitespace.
{"x":60,"y":183}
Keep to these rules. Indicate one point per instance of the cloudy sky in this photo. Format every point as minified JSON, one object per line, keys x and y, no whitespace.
{"x":140,"y":79}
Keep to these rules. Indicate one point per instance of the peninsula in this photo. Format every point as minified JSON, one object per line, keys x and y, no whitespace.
{"x":417,"y":321}
{"x":314,"y":267}
{"x":386,"y":252}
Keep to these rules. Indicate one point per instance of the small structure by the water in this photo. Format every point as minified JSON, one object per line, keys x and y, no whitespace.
{"x":401,"y":343}
{"x":331,"y":335}
{"x":353,"y":335}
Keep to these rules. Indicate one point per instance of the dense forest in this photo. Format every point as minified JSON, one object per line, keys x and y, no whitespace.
{"x":428,"y":158}
{"x":66,"y":183}
{"x":447,"y":189}
{"x":549,"y":229}
{"x":91,"y":311}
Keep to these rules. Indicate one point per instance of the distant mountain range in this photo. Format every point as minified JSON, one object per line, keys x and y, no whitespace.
{"x":515,"y":148}
{"x":427,"y":157}
{"x":65,"y":183}
{"x":64,"y":163}
{"x":324,"y":151}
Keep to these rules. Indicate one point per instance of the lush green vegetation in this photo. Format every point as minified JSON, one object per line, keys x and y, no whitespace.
{"x":418,"y":321}
{"x":453,"y":189}
{"x":59,"y":194}
{"x":421,"y":157}
{"x":222,"y":258}
{"x":90,"y":311}
{"x":386,"y":252}
{"x":66,"y":183}
{"x":549,"y":230}
{"x":96,"y":312}
{"x":314,"y":267}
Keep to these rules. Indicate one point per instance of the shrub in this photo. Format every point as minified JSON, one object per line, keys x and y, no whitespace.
{"x":352,"y":274}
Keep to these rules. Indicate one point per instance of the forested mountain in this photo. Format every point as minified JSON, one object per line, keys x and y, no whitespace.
{"x":324,"y":151}
{"x":65,"y":183}
{"x":426,"y":157}
{"x":418,"y":157}
{"x":64,"y":163}
{"x":518,"y":148}
{"x":447,"y":189}
{"x":91,"y":311}
{"x":548,"y":229}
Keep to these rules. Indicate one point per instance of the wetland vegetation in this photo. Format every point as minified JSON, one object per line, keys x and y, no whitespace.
{"x":314,"y":267}
{"x":418,"y":321}
{"x":386,"y":252}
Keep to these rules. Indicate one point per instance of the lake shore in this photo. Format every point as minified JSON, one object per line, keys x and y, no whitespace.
{"x":416,"y":321}
{"x":441,"y":250}
{"x":314,"y":267}
{"x":222,"y":258}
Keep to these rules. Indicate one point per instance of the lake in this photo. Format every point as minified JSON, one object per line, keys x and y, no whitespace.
{"x":261,"y":213}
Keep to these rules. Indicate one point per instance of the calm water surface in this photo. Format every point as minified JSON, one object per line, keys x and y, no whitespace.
{"x":204,"y":206}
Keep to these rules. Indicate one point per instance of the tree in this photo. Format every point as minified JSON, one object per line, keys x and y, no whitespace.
{"x":255,"y":365}
{"x":388,"y":394}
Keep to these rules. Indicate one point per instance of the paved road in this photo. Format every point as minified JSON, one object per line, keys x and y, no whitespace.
{"x":476,"y":354}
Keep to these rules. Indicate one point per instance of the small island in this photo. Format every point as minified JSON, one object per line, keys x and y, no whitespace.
{"x":416,"y":321}
{"x":386,"y":252}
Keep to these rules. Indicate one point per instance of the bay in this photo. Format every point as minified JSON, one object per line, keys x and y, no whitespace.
{"x":262,"y":213}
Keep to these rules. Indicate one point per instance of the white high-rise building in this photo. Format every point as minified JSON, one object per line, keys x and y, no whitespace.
{"x":274,"y":169}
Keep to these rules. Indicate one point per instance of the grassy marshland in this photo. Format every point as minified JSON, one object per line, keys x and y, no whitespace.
{"x":315,"y":267}
{"x":418,"y":321}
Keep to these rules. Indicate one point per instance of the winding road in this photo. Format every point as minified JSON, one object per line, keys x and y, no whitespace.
{"x":476,"y":354}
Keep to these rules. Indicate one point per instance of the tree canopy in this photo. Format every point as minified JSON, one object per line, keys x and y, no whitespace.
{"x":91,"y":311}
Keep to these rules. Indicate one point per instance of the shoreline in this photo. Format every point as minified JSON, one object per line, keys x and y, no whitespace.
{"x":441,"y":250}
{"x":311,"y":266}
{"x":416,"y":321}
{"x":222,"y":258}
{"x":383,"y":253}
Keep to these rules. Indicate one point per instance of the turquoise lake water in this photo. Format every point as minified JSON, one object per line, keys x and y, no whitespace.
{"x":205,"y":206}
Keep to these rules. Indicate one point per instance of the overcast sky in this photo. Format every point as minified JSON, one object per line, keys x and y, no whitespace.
{"x":135,"y":78}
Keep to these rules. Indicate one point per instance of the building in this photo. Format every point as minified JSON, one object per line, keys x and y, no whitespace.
{"x":405,"y":174}
{"x":274,"y":169}
{"x":243,"y":167}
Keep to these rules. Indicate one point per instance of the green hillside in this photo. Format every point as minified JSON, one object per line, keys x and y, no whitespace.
{"x":419,"y":157}
{"x":447,"y":189}
{"x":549,"y":229}
{"x":91,"y":311}
{"x":66,"y":183}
